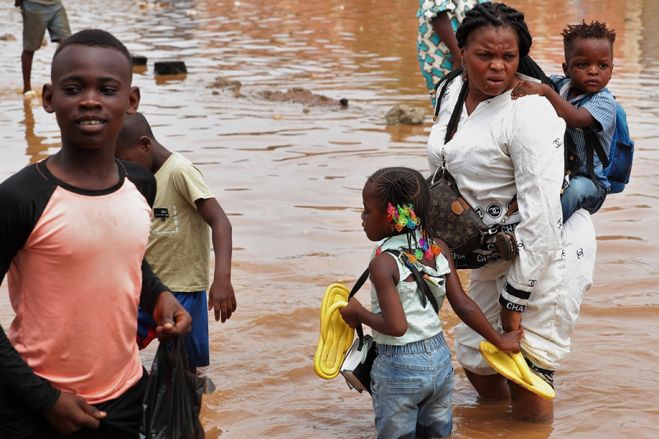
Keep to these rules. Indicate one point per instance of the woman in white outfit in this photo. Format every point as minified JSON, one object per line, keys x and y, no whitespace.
{"x":500,"y":150}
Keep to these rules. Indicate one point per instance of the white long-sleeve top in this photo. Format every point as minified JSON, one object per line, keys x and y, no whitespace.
{"x":505,"y":148}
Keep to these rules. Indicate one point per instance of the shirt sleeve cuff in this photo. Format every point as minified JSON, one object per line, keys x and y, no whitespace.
{"x":514,"y":299}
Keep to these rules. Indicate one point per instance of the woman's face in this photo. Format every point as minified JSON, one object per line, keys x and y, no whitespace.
{"x":491,"y":58}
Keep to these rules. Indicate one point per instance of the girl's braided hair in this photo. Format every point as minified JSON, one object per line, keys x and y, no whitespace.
{"x":400,"y":186}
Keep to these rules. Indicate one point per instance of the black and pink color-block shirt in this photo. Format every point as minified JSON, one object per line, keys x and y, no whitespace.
{"x":76,"y":274}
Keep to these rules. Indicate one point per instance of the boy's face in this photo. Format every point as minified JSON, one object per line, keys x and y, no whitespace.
{"x":589,"y":63}
{"x":90,"y":93}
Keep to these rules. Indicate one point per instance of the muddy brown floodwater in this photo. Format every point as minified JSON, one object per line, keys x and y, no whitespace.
{"x":290,"y":175}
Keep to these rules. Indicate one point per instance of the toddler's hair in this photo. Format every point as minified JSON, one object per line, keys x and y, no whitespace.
{"x":95,"y":38}
{"x":400,"y":186}
{"x":595,"y":30}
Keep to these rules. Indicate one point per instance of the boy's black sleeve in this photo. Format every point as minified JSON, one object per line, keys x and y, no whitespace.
{"x":23,"y":197}
{"x":151,"y":284}
{"x":151,"y":288}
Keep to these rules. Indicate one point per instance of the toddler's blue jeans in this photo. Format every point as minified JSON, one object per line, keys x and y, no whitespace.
{"x":581,"y":192}
{"x":412,"y":388}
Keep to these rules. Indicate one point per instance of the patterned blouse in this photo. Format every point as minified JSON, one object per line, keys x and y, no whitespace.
{"x":434,"y":57}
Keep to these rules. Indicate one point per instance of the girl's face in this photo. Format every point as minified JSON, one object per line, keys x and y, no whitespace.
{"x":374,"y":215}
{"x":491,"y":58}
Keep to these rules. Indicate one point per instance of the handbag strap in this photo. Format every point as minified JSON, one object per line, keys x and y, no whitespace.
{"x":418,"y":277}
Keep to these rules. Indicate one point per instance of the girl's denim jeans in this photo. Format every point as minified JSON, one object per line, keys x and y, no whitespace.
{"x":412,"y":388}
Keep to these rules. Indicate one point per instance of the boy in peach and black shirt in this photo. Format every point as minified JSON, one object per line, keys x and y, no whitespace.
{"x":73,"y":232}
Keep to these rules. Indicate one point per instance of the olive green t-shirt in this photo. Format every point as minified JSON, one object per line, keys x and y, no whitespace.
{"x":179,"y":245}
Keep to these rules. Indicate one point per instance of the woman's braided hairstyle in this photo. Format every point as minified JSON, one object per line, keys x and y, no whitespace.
{"x":400,"y":186}
{"x":495,"y":14}
{"x":500,"y":14}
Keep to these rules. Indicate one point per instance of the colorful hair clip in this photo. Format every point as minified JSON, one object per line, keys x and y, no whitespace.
{"x":402,"y":216}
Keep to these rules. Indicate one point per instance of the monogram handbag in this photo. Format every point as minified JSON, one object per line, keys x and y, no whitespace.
{"x":452,"y":218}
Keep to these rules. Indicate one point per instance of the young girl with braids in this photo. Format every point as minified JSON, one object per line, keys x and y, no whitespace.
{"x":412,"y":376}
{"x":498,"y":149}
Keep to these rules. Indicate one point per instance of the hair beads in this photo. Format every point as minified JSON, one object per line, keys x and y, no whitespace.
{"x":402,"y":217}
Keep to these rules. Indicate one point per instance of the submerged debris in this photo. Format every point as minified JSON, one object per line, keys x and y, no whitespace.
{"x":228,"y":84}
{"x":404,"y":114}
{"x":303,"y":96}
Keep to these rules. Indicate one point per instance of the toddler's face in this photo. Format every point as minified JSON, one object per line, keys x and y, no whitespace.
{"x":374,"y":215}
{"x":589,"y":64}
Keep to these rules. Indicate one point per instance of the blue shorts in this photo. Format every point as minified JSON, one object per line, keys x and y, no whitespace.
{"x":412,"y":390}
{"x":196,"y":342}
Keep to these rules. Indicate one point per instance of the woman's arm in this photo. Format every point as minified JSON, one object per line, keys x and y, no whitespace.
{"x":391,"y":320}
{"x":535,"y":145}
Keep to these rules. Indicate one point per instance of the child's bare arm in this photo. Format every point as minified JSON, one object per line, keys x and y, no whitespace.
{"x":574,"y":117}
{"x":391,"y":320}
{"x":221,"y":296}
{"x":471,"y":314}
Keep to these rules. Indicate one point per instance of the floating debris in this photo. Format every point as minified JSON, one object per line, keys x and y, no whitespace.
{"x":170,"y":68}
{"x":7,"y":37}
{"x":404,"y":114}
{"x":138,"y":60}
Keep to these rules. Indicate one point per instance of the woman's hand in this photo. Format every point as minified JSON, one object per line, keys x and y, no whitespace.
{"x":351,"y":313}
{"x":509,"y":341}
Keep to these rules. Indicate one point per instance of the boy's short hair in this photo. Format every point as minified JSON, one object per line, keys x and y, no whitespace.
{"x":95,"y":38}
{"x":595,"y":30}
{"x":135,"y":126}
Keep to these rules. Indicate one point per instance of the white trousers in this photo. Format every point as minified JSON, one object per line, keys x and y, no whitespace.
{"x":553,"y":307}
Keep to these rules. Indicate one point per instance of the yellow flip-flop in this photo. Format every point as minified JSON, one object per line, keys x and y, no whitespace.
{"x":514,"y":367}
{"x":335,"y":334}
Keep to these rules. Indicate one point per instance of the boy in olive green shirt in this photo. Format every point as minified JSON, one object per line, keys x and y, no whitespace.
{"x":179,"y":245}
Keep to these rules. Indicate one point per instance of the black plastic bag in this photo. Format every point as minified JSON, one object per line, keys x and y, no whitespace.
{"x":172,"y":401}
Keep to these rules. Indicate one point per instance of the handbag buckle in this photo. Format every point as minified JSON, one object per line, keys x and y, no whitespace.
{"x":492,"y":231}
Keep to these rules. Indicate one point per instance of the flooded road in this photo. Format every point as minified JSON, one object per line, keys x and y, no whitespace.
{"x":290,"y":178}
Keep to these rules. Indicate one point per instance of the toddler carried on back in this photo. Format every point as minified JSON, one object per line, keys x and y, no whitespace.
{"x":588,"y":108}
